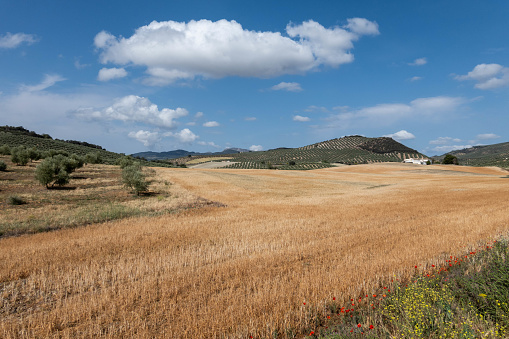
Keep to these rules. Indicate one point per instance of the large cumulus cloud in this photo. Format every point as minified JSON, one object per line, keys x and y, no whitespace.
{"x":173,"y":50}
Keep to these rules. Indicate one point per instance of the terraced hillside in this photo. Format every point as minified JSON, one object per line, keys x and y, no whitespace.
{"x":489,"y":155}
{"x":18,"y":136}
{"x":347,"y":150}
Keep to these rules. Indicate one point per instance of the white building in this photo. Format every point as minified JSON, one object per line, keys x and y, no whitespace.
{"x":416,"y":161}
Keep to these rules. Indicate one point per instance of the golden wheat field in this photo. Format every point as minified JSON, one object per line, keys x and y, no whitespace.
{"x":283,"y":239}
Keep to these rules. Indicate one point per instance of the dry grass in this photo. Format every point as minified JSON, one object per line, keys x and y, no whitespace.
{"x":94,"y":194}
{"x":285,"y":238}
{"x":202,"y":160}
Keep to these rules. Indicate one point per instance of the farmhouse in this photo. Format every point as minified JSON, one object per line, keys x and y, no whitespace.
{"x":416,"y":161}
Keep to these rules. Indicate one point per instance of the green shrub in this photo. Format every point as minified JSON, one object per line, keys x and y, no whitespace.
{"x":93,"y":158}
{"x":20,"y":156}
{"x":5,"y":150}
{"x":3,"y":166}
{"x":450,"y":159}
{"x":291,"y":163}
{"x":134,"y":179}
{"x":124,"y":161}
{"x":15,"y":200}
{"x":56,"y":170}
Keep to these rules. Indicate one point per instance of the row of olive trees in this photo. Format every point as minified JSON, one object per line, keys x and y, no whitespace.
{"x":21,"y":155}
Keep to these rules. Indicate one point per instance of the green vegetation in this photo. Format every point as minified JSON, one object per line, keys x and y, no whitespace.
{"x":3,"y":166}
{"x":39,"y":146}
{"x":348,"y":150}
{"x":489,"y":155}
{"x":134,"y":179}
{"x":57,"y":169}
{"x":466,"y":297}
{"x":450,"y":159}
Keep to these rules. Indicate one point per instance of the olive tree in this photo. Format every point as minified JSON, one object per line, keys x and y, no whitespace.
{"x":134,"y":179}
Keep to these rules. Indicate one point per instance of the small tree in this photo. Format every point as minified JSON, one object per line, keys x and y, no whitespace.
{"x":3,"y":166}
{"x":134,"y":179}
{"x":33,"y":154}
{"x":5,"y":150}
{"x":19,"y":155}
{"x":55,"y":170}
{"x":450,"y":159}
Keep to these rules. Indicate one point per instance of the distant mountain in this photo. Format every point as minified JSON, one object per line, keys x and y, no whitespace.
{"x":488,"y":155}
{"x":183,"y":153}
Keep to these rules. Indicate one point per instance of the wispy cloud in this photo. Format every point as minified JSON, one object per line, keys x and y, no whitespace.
{"x":287,"y":86}
{"x":10,"y":40}
{"x":419,"y":62}
{"x":300,"y":118}
{"x":48,"y":81}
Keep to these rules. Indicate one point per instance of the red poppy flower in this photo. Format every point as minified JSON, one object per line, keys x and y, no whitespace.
{"x":371,"y":327}
{"x":359,"y":325}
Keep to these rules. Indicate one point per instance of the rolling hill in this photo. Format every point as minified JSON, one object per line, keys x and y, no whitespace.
{"x":489,"y":155}
{"x":19,"y":136}
{"x":347,"y":150}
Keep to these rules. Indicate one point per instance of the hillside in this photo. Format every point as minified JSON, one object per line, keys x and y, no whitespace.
{"x":19,"y":136}
{"x":347,"y":150}
{"x":489,"y":155}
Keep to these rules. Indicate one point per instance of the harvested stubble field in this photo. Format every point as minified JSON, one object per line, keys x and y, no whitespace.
{"x":285,"y":238}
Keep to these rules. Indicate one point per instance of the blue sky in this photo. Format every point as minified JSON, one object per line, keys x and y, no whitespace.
{"x":205,"y":75}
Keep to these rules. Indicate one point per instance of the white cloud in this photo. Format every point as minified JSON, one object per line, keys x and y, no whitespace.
{"x":250,"y":118}
{"x":136,"y":109}
{"x":488,"y":76}
{"x":185,"y":136}
{"x":487,"y":136}
{"x":444,"y":141}
{"x":148,"y":138}
{"x":79,"y":65}
{"x":178,"y":50}
{"x":211,"y":124}
{"x":209,"y":143}
{"x":300,"y":118}
{"x":387,"y":114}
{"x":107,"y":74}
{"x":401,"y":135}
{"x":10,"y":40}
{"x":362,"y":26}
{"x":256,"y":148}
{"x":419,"y":62}
{"x":48,"y":81}
{"x":198,"y":115}
{"x":314,"y":108}
{"x":415,"y":79}
{"x":287,"y":86}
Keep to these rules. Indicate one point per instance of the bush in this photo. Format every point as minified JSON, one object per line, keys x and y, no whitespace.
{"x":56,"y":170}
{"x":134,"y":179}
{"x":15,"y":200}
{"x":5,"y":150}
{"x":3,"y":166}
{"x":93,"y":158}
{"x":124,"y":161}
{"x":450,"y":159}
{"x":20,"y":156}
{"x":291,"y":163}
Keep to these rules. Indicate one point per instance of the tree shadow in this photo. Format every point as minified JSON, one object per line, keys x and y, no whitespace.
{"x":62,"y":188}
